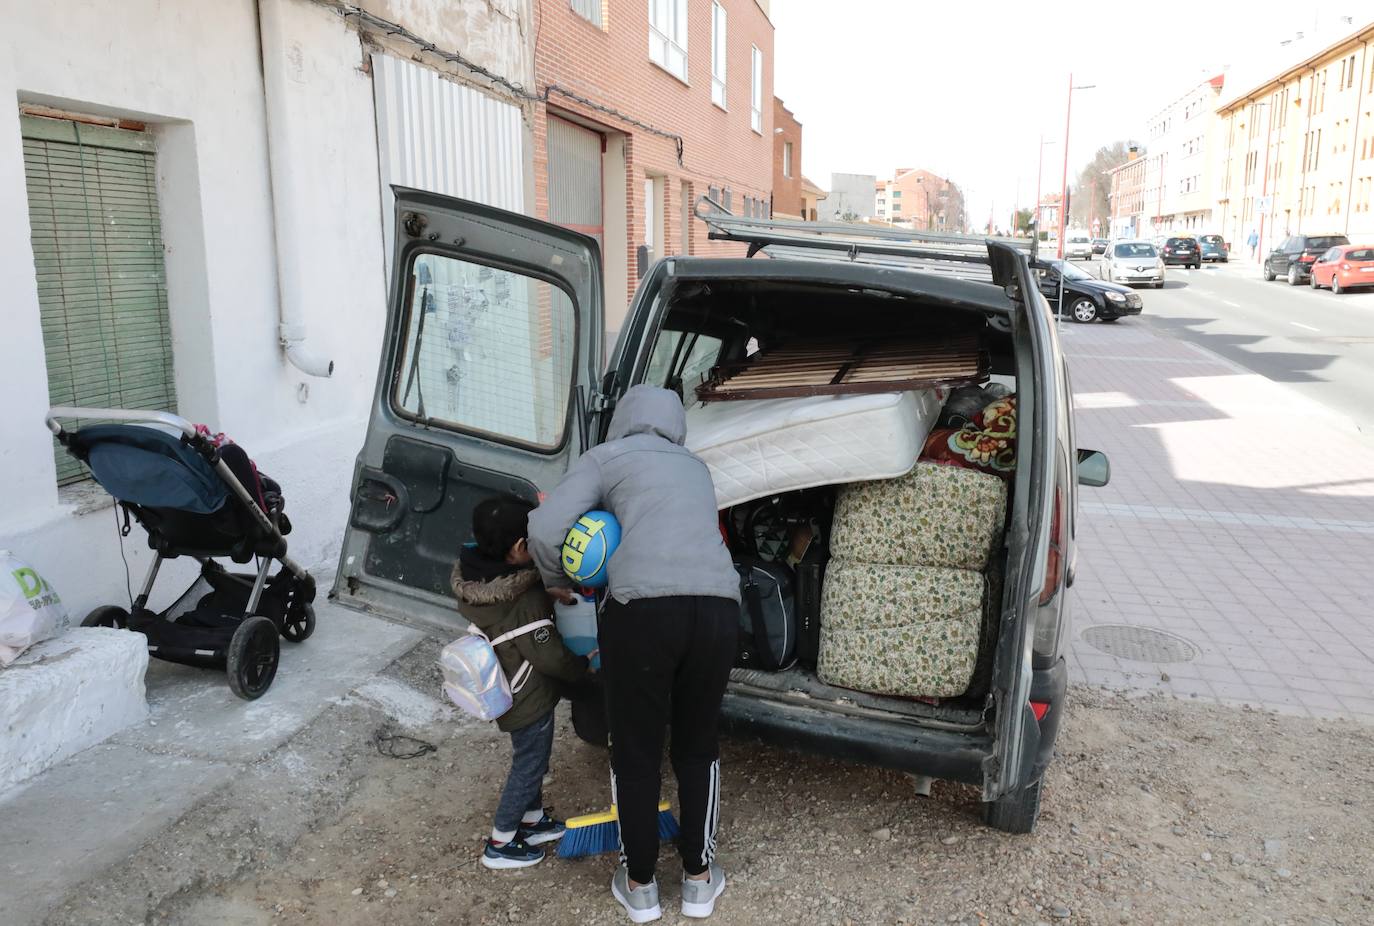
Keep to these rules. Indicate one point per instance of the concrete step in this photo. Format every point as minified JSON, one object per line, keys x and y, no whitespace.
{"x":65,"y":695}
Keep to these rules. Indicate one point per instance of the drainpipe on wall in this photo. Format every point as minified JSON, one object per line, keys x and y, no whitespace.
{"x":287,"y":221}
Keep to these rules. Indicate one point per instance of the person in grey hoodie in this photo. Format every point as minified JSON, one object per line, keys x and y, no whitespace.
{"x":667,"y":634}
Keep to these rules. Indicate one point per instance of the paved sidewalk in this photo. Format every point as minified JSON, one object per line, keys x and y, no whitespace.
{"x":1239,"y":522}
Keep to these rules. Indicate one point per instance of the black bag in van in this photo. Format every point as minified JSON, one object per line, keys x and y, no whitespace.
{"x":767,"y":616}
{"x":810,"y":574}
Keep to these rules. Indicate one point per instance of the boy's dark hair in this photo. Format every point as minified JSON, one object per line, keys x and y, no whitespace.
{"x":498,"y":523}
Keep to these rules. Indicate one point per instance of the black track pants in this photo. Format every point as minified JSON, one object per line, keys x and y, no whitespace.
{"x":666,"y":660}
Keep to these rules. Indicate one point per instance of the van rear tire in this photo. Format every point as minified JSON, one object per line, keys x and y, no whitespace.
{"x":1015,"y":813}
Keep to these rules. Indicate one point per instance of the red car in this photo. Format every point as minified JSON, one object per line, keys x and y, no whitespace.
{"x":1344,"y":267}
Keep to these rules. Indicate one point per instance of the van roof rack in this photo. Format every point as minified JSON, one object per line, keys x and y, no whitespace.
{"x":960,"y":255}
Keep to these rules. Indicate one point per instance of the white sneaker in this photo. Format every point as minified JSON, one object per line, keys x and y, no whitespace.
{"x":699,"y":897}
{"x":642,"y":902}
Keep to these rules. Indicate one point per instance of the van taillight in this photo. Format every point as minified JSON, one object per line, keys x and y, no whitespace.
{"x":1054,"y":573}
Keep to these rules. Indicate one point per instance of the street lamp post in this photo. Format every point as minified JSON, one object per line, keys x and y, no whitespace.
{"x":1064,"y":183}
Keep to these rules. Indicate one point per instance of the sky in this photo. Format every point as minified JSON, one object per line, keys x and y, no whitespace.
{"x":968,"y":89}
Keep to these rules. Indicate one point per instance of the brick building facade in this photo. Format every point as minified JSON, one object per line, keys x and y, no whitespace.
{"x":650,"y":106}
{"x":1127,"y":198}
{"x":921,"y":199}
{"x":788,"y":199}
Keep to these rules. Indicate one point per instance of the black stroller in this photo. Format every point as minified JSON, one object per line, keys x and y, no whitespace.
{"x":199,"y":498}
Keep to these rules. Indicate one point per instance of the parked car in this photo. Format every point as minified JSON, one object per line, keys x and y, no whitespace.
{"x":1078,"y":247}
{"x":1214,"y":248}
{"x":1182,"y":250}
{"x":501,"y":410}
{"x":1132,"y":262}
{"x":1344,"y":267}
{"x":1086,"y":298}
{"x":1293,"y":258}
{"x":1099,"y":245}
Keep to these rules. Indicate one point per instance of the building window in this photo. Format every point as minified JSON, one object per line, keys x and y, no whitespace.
{"x":668,"y":36}
{"x":787,"y":159}
{"x":590,"y":10}
{"x":756,"y":91}
{"x":718,"y":55}
{"x":98,"y":258}
{"x":896,"y":194}
{"x":896,"y":207}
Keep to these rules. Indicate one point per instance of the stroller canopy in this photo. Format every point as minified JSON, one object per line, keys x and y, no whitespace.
{"x":151,"y":467}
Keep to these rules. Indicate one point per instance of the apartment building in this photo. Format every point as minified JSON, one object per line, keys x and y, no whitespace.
{"x":919,"y":199}
{"x":648,"y":106}
{"x":850,"y":198}
{"x":1296,"y":153}
{"x":1180,"y":176}
{"x":1127,"y":198}
{"x":789,"y":201}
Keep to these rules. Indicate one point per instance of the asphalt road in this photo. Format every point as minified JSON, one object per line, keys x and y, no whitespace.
{"x":1311,"y":340}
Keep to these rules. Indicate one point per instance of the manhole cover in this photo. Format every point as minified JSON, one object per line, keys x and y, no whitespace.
{"x":1141,"y":644}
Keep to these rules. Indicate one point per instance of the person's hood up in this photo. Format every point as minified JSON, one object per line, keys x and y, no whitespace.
{"x":649,"y":410}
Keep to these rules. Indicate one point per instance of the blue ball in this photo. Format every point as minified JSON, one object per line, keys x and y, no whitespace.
{"x":588,"y":548}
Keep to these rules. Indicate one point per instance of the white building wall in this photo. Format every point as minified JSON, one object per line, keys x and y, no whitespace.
{"x":192,"y":72}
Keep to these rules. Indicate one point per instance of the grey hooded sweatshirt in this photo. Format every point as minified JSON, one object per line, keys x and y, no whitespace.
{"x":670,"y":541}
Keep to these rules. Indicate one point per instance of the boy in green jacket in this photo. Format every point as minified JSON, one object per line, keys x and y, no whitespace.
{"x":498,"y":590}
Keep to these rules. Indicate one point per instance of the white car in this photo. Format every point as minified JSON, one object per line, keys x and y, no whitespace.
{"x":1078,"y":247}
{"x":1134,"y":261}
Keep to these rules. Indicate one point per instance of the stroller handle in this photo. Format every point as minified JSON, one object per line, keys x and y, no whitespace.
{"x":116,"y":414}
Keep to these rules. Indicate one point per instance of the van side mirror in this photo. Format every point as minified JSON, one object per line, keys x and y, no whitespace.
{"x":1094,"y":469}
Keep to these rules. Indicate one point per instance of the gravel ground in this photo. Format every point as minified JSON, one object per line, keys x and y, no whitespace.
{"x":1156,"y":811}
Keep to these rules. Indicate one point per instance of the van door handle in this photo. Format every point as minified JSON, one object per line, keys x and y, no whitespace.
{"x":381,"y":502}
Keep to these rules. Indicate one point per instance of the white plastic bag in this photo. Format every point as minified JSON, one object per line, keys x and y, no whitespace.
{"x":30,"y":611}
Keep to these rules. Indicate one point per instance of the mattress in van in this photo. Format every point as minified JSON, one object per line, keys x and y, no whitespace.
{"x":769,"y":446}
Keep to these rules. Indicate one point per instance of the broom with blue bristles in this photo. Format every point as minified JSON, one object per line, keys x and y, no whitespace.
{"x":595,"y":833}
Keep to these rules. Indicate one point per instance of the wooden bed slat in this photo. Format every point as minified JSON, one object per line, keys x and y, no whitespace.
{"x":848,"y":367}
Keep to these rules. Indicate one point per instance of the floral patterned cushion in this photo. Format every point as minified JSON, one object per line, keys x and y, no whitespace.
{"x":911,"y":631}
{"x":987,"y":638}
{"x":986,"y":443}
{"x":936,"y":515}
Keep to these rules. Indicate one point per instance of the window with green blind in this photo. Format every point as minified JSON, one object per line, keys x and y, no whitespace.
{"x":97,"y":251}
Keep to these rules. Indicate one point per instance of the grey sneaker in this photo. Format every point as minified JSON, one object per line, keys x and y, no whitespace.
{"x":641,"y":903}
{"x":699,"y":897}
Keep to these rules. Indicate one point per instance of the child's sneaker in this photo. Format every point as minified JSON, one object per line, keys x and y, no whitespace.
{"x":514,"y":854}
{"x":546,"y":830}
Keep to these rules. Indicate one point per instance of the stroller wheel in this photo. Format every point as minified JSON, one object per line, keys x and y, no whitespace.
{"x":299,"y":623}
{"x":252,"y":658}
{"x":107,"y":615}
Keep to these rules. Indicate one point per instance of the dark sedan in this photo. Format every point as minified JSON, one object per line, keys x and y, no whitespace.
{"x":1182,"y":250}
{"x":1086,"y":298}
{"x":1100,"y":245}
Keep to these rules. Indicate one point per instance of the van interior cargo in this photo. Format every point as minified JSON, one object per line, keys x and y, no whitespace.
{"x":793,"y":345}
